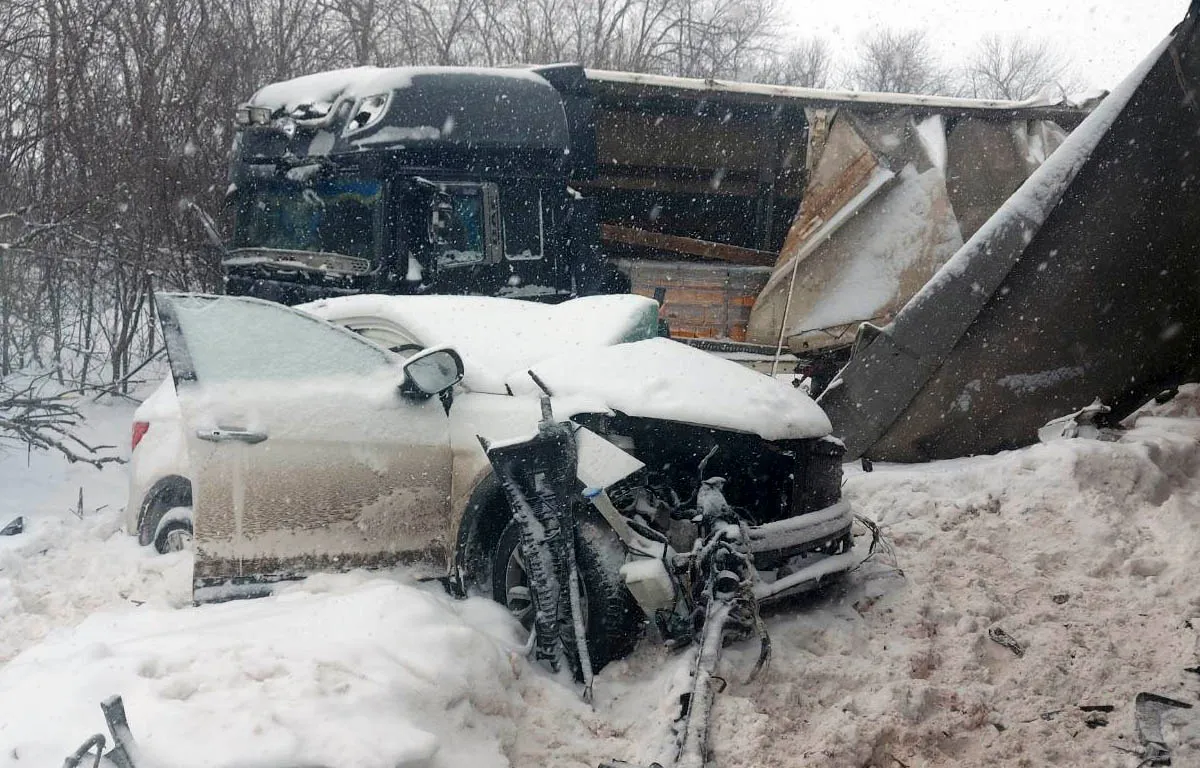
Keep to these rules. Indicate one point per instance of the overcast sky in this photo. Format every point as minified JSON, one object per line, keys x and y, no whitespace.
{"x":1105,"y":38}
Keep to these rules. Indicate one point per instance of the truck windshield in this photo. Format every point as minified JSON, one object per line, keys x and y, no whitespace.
{"x":331,"y":215}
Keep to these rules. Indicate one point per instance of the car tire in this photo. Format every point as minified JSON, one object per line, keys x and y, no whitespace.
{"x":174,"y":536}
{"x":614,"y":621}
{"x":167,"y":494}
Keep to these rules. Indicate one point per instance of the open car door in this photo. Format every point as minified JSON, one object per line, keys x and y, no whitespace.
{"x":305,"y":456}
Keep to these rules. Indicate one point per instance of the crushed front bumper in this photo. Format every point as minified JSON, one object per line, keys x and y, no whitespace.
{"x":802,"y":533}
{"x":797,"y":554}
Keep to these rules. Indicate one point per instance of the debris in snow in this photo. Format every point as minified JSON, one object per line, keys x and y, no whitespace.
{"x":124,"y":753}
{"x":537,"y":475}
{"x":1081,"y":423}
{"x":1148,"y":710}
{"x":998,"y":635}
{"x":13,"y":528}
{"x":1095,"y":720}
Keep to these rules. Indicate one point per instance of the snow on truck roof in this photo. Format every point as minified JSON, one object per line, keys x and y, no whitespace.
{"x":828,"y":97}
{"x":322,"y":90}
{"x":348,"y":110}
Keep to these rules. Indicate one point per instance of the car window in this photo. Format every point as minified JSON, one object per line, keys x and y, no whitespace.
{"x":231,"y":339}
{"x":391,"y":340}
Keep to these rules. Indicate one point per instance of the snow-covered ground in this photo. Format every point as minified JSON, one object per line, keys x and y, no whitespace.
{"x":1083,"y":552}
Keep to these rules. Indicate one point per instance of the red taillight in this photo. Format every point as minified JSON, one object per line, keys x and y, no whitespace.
{"x":139,"y":431}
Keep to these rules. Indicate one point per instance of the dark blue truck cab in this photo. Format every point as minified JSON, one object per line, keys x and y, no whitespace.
{"x":415,"y":180}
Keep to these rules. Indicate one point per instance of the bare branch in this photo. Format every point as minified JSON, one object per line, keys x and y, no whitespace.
{"x":1017,"y":69}
{"x":898,"y":61}
{"x":47,"y":422}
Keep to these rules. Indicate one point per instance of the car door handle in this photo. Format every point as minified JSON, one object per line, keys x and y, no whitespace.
{"x":222,"y":435}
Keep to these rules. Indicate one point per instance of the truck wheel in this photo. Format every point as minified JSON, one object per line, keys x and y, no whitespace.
{"x":613,"y":620}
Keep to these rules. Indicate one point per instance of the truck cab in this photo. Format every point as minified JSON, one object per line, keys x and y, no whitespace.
{"x":412,"y":180}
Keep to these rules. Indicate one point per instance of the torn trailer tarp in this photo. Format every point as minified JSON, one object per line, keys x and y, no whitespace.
{"x":1083,"y":285}
{"x":890,"y":198}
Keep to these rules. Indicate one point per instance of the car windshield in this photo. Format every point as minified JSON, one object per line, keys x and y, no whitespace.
{"x":330,"y":215}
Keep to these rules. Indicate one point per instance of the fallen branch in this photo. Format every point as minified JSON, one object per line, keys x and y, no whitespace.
{"x":48,"y":422}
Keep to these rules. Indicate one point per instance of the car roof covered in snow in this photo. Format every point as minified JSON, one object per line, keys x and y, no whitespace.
{"x":497,"y":336}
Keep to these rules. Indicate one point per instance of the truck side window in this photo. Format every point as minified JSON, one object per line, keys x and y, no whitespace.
{"x":455,"y":224}
{"x":525,"y":222}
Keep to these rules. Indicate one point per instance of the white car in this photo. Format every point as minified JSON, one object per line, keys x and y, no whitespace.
{"x":159,"y":509}
{"x":498,"y":331}
{"x":311,"y":447}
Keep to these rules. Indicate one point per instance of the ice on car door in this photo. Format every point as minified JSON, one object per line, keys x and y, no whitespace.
{"x":304,"y":456}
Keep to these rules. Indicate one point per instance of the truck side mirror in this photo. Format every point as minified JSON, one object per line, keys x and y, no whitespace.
{"x":441,"y":218}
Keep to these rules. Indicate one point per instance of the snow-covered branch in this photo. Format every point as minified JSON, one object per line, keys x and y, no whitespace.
{"x":48,"y":421}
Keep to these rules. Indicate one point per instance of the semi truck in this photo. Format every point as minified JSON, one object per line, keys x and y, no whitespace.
{"x":749,"y":211}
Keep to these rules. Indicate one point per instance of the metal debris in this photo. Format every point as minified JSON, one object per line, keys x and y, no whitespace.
{"x":997,"y":635}
{"x":1148,"y":709}
{"x":537,"y":475}
{"x":124,"y":753}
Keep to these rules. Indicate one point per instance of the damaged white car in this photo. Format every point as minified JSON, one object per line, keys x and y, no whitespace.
{"x":353,"y":432}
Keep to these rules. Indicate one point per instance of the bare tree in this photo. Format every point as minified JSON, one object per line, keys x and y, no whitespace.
{"x":721,"y":38}
{"x":898,"y":61}
{"x":808,"y":64}
{"x":1016,"y":68}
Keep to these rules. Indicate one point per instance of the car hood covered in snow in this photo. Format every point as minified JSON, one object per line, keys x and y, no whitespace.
{"x":663,"y":379}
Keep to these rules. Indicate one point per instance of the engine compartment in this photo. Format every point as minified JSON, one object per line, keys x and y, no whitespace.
{"x":763,"y":481}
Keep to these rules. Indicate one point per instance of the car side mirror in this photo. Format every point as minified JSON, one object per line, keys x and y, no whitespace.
{"x":431,"y":372}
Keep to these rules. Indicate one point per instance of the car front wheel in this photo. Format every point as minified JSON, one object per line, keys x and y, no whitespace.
{"x":613,"y":620}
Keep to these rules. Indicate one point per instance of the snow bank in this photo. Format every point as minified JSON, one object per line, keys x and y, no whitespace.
{"x":1082,"y":551}
{"x":365,"y":672}
{"x":72,"y":559}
